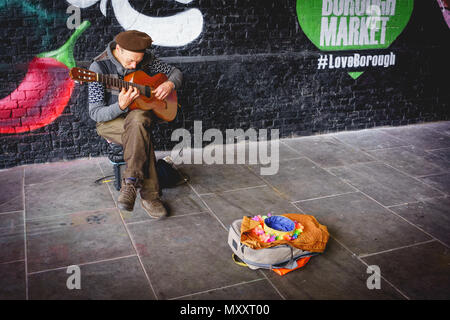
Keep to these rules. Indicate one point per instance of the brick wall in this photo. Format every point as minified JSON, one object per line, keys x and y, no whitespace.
{"x":251,"y":67}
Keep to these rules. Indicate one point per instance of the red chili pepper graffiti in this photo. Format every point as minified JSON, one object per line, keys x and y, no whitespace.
{"x":44,"y":92}
{"x":39,"y":99}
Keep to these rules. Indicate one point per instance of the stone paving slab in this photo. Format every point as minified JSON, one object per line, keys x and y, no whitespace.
{"x":382,"y":193}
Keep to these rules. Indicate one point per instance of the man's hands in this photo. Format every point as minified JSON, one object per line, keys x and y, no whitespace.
{"x":126,"y":97}
{"x":163,"y":90}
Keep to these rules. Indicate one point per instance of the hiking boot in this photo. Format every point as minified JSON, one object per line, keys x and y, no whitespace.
{"x":127,"y":196}
{"x":154,"y":208}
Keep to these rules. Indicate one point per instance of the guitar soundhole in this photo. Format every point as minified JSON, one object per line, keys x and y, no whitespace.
{"x":148,"y":92}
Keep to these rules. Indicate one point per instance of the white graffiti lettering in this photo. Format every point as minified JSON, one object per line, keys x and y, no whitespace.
{"x":172,"y":31}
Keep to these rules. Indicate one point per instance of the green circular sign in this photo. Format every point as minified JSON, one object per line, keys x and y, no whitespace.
{"x":334,"y":25}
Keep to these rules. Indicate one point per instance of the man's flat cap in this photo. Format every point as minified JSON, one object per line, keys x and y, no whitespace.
{"x":133,"y":40}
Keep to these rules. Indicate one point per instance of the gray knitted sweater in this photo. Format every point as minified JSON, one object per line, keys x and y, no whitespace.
{"x":103,"y":104}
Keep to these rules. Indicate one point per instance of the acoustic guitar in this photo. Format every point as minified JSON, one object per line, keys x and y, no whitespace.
{"x":164,"y":109}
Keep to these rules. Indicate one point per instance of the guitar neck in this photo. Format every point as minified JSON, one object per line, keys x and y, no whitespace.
{"x":119,"y":84}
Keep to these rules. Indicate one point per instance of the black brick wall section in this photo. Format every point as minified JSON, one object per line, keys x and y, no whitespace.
{"x":252,"y":67}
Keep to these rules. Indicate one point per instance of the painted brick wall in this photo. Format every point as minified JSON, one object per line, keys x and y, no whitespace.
{"x":251,"y":67}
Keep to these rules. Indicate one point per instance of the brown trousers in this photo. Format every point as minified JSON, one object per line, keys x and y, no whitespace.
{"x":132,"y":131}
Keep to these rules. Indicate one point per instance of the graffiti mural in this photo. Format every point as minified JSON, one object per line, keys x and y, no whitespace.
{"x":46,"y":89}
{"x":44,"y":92}
{"x":247,"y":64}
{"x":172,"y":31}
{"x":42,"y":17}
{"x":445,"y":7}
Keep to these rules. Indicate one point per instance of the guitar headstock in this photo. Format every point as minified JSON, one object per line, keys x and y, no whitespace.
{"x":83,"y":75}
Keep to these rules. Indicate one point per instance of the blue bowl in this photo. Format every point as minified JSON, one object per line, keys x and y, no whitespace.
{"x":280,"y":223}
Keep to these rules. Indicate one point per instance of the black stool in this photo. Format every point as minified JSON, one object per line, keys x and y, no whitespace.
{"x":168,"y":175}
{"x":115,"y":156}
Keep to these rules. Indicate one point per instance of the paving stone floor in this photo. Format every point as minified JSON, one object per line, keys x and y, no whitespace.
{"x":383,"y":193}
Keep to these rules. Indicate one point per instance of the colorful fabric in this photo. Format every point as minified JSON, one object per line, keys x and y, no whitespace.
{"x":314,"y":237}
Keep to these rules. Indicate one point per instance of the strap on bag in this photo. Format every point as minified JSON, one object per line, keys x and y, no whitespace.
{"x":291,"y":264}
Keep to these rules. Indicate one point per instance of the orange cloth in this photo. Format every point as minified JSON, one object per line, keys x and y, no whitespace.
{"x":300,"y":263}
{"x":314,"y":237}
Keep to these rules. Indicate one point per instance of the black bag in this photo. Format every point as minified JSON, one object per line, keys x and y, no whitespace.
{"x":168,"y":176}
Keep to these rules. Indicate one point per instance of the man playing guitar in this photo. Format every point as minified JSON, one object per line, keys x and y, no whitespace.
{"x":130,"y":127}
